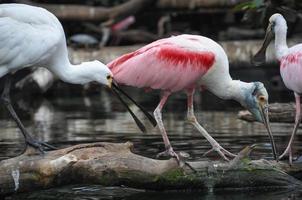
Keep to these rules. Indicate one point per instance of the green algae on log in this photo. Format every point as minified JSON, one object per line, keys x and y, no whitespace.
{"x":112,"y":164}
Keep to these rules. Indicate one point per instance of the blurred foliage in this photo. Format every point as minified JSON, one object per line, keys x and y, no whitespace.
{"x":257,"y":12}
{"x":249,"y":5}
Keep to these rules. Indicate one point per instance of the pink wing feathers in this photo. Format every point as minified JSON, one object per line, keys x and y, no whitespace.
{"x":162,"y":65}
{"x":291,"y":71}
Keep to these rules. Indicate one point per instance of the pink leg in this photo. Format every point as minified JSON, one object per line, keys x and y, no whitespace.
{"x":158,"y":117}
{"x":192,"y":119}
{"x":288,"y":149}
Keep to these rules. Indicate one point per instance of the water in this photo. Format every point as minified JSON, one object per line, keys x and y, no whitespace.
{"x":68,"y":120}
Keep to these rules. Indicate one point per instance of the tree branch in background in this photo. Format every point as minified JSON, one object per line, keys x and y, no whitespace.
{"x":92,"y":13}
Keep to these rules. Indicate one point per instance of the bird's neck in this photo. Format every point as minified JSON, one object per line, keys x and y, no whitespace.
{"x":280,"y":39}
{"x":230,"y":89}
{"x":70,"y":73}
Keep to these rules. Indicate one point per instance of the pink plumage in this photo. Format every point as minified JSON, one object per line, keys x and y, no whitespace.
{"x":290,"y":67}
{"x":173,"y":64}
{"x":291,"y":70}
{"x":164,"y":64}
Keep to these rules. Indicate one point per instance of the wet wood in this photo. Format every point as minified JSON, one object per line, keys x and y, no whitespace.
{"x":278,"y":112}
{"x":112,"y":164}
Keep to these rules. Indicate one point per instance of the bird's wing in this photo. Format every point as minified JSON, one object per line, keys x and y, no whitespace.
{"x":291,"y":70}
{"x":28,"y":35}
{"x":162,"y":65}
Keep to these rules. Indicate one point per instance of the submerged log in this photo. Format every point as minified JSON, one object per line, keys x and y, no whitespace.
{"x":112,"y":164}
{"x":278,"y":112}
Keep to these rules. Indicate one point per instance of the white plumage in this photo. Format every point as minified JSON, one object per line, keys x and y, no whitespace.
{"x":32,"y":36}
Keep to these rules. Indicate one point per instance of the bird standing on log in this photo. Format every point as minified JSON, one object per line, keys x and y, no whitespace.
{"x":32,"y":36}
{"x":290,"y":66}
{"x":186,"y":63}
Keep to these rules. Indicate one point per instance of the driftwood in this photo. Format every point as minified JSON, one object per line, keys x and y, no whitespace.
{"x":194,"y":4}
{"x":111,"y":164}
{"x":92,"y":13}
{"x":278,"y":112}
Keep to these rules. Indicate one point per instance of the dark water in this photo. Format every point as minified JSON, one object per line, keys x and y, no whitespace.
{"x":67,"y":121}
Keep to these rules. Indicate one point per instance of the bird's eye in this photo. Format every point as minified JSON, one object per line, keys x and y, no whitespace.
{"x":108,"y":77}
{"x":272,"y":25}
{"x":261,"y":98}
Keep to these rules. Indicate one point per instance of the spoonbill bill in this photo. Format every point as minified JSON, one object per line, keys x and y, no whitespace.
{"x":290,"y":66}
{"x":185,"y":63}
{"x":32,"y":36}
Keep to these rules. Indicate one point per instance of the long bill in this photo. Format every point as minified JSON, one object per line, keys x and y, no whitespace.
{"x":259,"y":57}
{"x":137,"y":121}
{"x":148,"y":115}
{"x":264,"y":115}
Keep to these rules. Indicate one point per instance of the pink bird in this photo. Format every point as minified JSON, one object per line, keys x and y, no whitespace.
{"x":290,"y":66}
{"x":185,"y":63}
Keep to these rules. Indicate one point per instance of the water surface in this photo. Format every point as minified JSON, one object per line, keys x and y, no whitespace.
{"x":65,"y":121}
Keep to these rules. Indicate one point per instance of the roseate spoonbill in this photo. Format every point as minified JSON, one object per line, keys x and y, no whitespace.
{"x":290,"y":66}
{"x":32,"y":36}
{"x":184,"y":63}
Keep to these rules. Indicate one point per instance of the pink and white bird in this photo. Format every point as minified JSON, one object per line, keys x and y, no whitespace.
{"x":185,"y":63}
{"x":290,"y":66}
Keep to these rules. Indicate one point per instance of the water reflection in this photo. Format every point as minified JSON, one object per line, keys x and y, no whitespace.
{"x":67,"y":120}
{"x":96,"y":192}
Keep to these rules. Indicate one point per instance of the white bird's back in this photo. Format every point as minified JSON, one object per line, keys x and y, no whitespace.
{"x":29,"y":36}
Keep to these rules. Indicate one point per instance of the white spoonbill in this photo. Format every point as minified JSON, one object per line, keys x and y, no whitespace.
{"x":32,"y":36}
{"x":290,"y":66}
{"x":184,"y":63}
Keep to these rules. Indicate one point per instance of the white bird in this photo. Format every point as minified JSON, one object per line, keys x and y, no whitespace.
{"x":32,"y":36}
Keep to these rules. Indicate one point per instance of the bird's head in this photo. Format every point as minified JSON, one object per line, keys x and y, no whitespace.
{"x":98,"y":72}
{"x":276,"y":23}
{"x":256,"y":101}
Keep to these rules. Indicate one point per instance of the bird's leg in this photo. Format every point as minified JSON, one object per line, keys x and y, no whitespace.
{"x":288,"y":149}
{"x":5,"y":98}
{"x":192,"y":119}
{"x":158,"y":117}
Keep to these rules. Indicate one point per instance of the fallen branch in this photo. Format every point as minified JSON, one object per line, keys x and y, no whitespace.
{"x":111,"y":164}
{"x":193,"y":4}
{"x":278,"y":112}
{"x":92,"y":13}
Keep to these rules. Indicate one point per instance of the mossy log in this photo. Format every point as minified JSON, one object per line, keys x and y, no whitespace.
{"x":278,"y":112}
{"x":112,"y":164}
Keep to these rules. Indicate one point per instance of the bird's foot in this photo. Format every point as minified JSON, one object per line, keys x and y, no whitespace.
{"x":181,"y":157}
{"x":169,"y":152}
{"x":221,"y":151}
{"x":39,"y":145}
{"x":288,"y":151}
